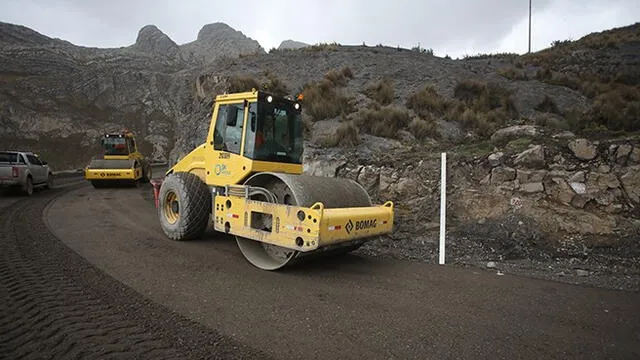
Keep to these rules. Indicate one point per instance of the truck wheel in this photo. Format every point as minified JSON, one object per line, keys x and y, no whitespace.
{"x":28,"y":187}
{"x":184,"y":206}
{"x":49,"y":184}
{"x":146,"y":173}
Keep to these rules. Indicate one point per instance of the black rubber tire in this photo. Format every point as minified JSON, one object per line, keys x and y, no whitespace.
{"x":194,"y":206}
{"x":28,"y":187}
{"x":49,"y":184}
{"x":97,"y":184}
{"x":147,"y":173}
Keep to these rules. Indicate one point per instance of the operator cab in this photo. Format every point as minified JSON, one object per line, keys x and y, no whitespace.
{"x":118,"y":144}
{"x":274,"y":130}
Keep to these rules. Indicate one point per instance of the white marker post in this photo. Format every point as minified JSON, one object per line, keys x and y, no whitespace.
{"x":443,"y":203}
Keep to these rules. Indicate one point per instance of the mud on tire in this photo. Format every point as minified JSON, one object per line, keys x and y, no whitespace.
{"x":187,"y":219}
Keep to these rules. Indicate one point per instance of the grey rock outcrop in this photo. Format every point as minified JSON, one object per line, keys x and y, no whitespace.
{"x":219,"y":39}
{"x":153,"y":41}
{"x":531,"y":158}
{"x":292,"y":44}
{"x":515,"y":131}
{"x":583,"y":149}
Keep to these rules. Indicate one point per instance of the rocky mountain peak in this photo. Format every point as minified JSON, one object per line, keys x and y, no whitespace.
{"x":153,"y":40}
{"x":217,"y":29}
{"x":217,"y":39}
{"x":291,"y":44}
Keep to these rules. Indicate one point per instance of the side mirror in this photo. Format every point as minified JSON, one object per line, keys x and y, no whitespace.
{"x":43,"y":162}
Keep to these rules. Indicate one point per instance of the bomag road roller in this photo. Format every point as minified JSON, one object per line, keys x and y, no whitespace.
{"x":121,"y":163}
{"x":247,"y":179}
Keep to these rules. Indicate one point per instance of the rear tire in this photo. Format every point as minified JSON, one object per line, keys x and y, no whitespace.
{"x":184,"y":206}
{"x":146,"y":173}
{"x":98,"y":184}
{"x":49,"y":184}
{"x":28,"y":187}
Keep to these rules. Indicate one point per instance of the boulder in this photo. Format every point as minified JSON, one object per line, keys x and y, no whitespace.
{"x":580,"y":200}
{"x":598,"y":182}
{"x":532,"y":187}
{"x":583,"y":149}
{"x":578,"y":187}
{"x":634,"y":156}
{"x":531,"y":158}
{"x":369,"y":177}
{"x":388,"y":177}
{"x":622,"y":154}
{"x":322,"y":167}
{"x":531,"y":176}
{"x":578,"y":177}
{"x":515,"y":131}
{"x":558,"y":189}
{"x":495,"y":159}
{"x":631,"y":183}
{"x":502,"y":174}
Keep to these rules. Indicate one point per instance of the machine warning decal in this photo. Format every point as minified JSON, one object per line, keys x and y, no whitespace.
{"x":224,"y":155}
{"x":221,"y":170}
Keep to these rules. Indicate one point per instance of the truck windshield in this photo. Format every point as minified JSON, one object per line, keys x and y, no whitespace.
{"x":274,"y":132}
{"x":115,"y":146}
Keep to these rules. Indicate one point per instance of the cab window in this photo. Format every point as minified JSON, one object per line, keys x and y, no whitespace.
{"x":34,"y":160}
{"x":228,"y":131}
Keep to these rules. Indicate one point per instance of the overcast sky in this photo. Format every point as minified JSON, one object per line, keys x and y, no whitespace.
{"x":454,"y":27}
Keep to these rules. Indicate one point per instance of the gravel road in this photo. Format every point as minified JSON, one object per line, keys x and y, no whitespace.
{"x":124,"y":277}
{"x":56,"y":305}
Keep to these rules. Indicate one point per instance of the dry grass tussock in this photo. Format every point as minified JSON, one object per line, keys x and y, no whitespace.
{"x":476,"y":105}
{"x":383,"y":92}
{"x":324,"y":99}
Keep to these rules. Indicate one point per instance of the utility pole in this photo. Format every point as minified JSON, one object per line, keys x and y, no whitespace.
{"x":529,"y":26}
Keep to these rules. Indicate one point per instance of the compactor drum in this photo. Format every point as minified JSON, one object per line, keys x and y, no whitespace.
{"x":122,"y":163}
{"x":304,"y":191}
{"x":246,"y":180}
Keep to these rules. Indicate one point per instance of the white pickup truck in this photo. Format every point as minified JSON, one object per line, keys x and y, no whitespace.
{"x":24,"y":170}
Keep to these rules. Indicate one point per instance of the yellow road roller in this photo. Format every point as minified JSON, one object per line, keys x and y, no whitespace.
{"x":247,"y":179}
{"x":121,"y":163}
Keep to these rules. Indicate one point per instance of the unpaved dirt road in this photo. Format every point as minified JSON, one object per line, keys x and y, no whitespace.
{"x":122,"y":288}
{"x":348,"y":308}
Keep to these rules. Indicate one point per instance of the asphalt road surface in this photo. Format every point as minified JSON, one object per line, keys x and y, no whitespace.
{"x":99,"y":257}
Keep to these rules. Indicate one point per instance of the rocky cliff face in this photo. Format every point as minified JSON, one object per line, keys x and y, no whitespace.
{"x":58,"y":98}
